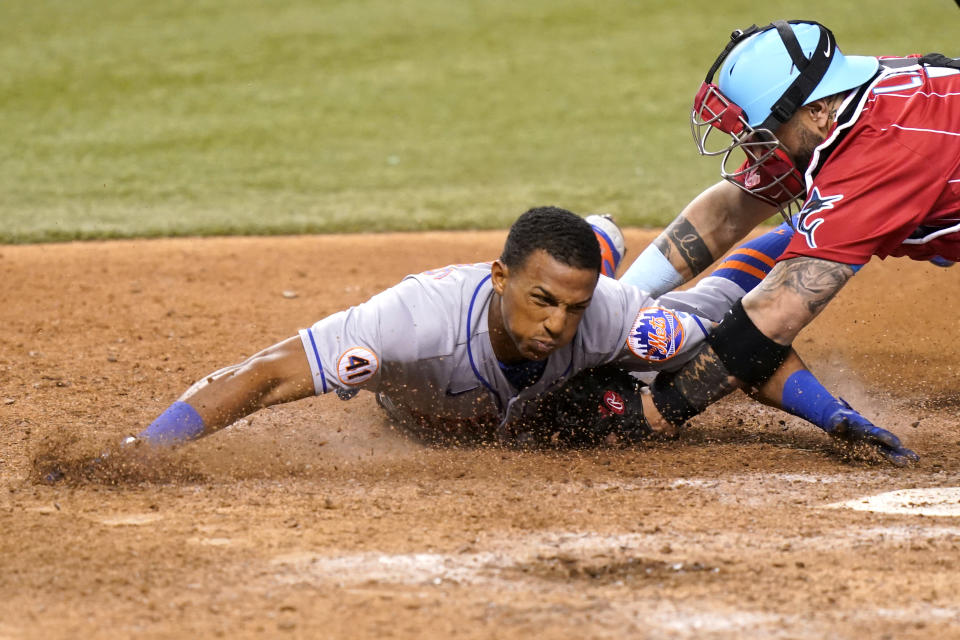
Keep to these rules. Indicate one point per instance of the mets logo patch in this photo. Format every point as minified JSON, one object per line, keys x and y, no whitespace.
{"x":357,"y":365}
{"x":656,"y":335}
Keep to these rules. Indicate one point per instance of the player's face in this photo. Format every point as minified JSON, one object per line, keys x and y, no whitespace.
{"x":540,"y":306}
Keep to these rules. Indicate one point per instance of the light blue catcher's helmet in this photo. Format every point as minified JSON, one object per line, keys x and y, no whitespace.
{"x":762,"y":74}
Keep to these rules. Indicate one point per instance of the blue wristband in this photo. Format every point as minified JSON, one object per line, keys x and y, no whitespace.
{"x":804,"y":396}
{"x":179,"y":423}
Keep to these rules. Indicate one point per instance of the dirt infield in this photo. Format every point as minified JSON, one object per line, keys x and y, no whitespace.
{"x":317,"y":520}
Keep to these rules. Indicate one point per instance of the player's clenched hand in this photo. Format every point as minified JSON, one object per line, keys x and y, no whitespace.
{"x":851,"y":427}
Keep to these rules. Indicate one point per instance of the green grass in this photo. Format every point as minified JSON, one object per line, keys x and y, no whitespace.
{"x":124,"y":118}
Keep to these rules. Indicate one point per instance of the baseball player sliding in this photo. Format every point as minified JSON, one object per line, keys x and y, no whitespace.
{"x":464,"y":351}
{"x":535,"y":342}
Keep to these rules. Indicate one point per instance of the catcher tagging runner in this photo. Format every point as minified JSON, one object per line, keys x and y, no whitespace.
{"x":531,"y":348}
{"x":868,"y":145}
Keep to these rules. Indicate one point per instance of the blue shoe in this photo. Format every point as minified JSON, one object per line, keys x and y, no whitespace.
{"x":612,"y":245}
{"x":942,"y":262}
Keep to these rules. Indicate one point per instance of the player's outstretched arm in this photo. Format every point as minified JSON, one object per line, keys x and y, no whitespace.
{"x":278,"y":374}
{"x":706,"y":229}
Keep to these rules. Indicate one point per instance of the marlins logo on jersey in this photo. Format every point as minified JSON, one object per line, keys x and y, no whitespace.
{"x":807,"y":223}
{"x":656,"y":335}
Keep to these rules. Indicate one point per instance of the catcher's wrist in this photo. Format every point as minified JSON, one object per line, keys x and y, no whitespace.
{"x":670,"y":402}
{"x":805,"y":397}
{"x":652,"y":416}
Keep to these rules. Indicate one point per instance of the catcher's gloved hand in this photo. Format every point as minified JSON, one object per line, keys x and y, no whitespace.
{"x":855,"y":430}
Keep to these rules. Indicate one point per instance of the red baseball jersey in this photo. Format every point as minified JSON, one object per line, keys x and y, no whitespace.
{"x":886,"y":182}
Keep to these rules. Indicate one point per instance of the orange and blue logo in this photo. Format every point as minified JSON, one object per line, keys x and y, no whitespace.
{"x":656,"y":335}
{"x":357,"y":365}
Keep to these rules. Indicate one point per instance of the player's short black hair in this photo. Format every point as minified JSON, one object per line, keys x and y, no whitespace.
{"x":565,"y":236}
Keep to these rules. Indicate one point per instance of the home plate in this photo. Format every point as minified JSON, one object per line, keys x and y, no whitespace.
{"x":932,"y":501}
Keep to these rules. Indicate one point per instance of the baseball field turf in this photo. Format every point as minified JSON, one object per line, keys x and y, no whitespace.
{"x":242,"y":117}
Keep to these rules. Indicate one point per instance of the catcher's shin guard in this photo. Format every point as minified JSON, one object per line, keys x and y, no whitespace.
{"x":598,"y":406}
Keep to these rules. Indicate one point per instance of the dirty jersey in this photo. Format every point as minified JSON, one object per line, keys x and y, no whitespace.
{"x":886,"y":182}
{"x":424,"y":345}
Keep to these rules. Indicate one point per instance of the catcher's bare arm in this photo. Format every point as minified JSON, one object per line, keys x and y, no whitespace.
{"x":793,"y":294}
{"x":706,"y":229}
{"x":786,"y":300}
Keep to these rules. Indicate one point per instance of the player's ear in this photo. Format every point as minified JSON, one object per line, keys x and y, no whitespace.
{"x":819,"y":113}
{"x":499,"y":273}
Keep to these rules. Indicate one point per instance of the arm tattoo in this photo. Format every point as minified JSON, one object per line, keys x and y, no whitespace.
{"x":688,"y":242}
{"x":816,"y":281}
{"x":663,"y":245}
{"x":705,"y":379}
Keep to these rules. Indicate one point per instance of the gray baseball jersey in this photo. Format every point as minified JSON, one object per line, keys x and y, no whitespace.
{"x":424,"y":346}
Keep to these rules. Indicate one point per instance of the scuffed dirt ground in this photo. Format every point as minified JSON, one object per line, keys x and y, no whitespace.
{"x":318,"y":520}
